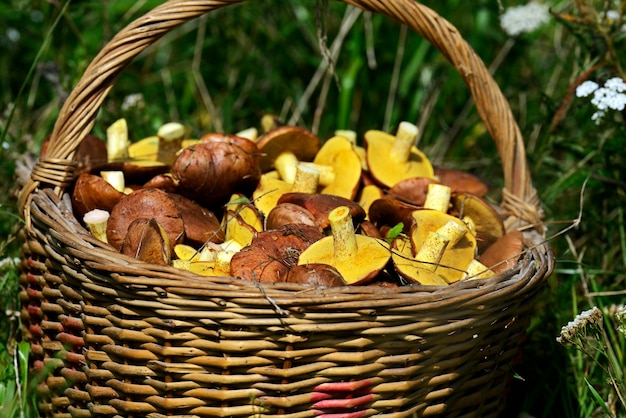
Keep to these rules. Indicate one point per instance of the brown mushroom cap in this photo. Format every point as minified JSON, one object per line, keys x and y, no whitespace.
{"x":390,"y":212}
{"x":504,"y":253}
{"x":315,"y":275}
{"x":243,"y":143}
{"x":210,"y":172}
{"x":271,"y":254}
{"x":339,"y":153}
{"x":412,"y":190}
{"x":147,"y":241}
{"x":461,"y":181}
{"x":358,"y":258}
{"x":145,"y":203}
{"x":93,"y":192}
{"x":201,"y":224}
{"x":303,"y":143}
{"x":320,"y":205}
{"x":289,"y":213}
{"x":393,"y":158}
{"x":91,"y":152}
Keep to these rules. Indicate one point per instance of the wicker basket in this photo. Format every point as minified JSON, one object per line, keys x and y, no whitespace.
{"x":123,"y":338}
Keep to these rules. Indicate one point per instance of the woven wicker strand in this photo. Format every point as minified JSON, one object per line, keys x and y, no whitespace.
{"x":118,"y":337}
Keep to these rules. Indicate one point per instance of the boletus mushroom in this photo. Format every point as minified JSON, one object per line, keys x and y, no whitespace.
{"x":271,"y":254}
{"x":358,"y":258}
{"x":318,"y":275}
{"x":93,"y":192}
{"x":209,"y":172}
{"x":147,"y":204}
{"x":395,"y":158}
{"x":147,"y":241}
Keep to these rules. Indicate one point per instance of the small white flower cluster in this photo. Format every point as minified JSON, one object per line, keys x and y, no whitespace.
{"x":135,"y":100}
{"x":523,"y":19}
{"x":570,"y":331}
{"x":610,"y":96}
{"x":6,"y":263}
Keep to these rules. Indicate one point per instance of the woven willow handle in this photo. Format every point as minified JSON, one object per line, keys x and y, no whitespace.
{"x":77,"y":116}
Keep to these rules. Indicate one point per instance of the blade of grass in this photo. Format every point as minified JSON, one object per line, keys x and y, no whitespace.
{"x":31,"y":70}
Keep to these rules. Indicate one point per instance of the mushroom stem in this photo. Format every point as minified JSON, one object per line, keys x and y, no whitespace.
{"x":438,"y":197}
{"x":344,"y":238}
{"x":117,"y":141}
{"x":477,"y":270}
{"x":452,"y":231}
{"x":432,"y":250}
{"x":306,"y":180}
{"x":96,"y":221}
{"x":115,"y":179}
{"x":327,"y":174}
{"x":171,"y":137}
{"x":286,"y":164}
{"x":405,"y":139}
{"x":348,"y":134}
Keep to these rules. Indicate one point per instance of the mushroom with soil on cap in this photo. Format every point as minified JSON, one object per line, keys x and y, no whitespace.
{"x":395,"y":158}
{"x":358,"y":258}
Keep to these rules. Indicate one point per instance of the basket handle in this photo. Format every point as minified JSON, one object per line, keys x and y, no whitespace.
{"x":77,"y":116}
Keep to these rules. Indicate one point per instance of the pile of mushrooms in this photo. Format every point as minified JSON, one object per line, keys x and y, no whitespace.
{"x":284,"y":206}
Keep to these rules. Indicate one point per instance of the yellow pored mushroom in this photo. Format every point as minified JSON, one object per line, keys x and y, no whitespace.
{"x":339,"y":153}
{"x":394,"y":158}
{"x":358,"y":258}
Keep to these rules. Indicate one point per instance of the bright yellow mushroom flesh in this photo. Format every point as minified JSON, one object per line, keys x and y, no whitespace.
{"x":392,"y":159}
{"x":358,"y":258}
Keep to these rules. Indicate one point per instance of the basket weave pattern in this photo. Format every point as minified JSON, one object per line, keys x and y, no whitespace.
{"x":124,"y":338}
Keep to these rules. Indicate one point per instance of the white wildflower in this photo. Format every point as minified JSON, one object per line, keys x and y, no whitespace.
{"x":610,"y":96}
{"x":526,"y":18}
{"x":577,"y":326}
{"x":615,"y":84}
{"x":8,"y":262}
{"x":612,"y":15}
{"x":586,"y":88}
{"x":135,"y":100}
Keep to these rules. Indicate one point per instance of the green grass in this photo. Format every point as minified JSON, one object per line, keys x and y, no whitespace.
{"x":225,"y":70}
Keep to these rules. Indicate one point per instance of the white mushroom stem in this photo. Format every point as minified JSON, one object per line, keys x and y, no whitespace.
{"x":438,"y":197}
{"x":452,"y":231}
{"x":348,"y":134}
{"x":307,"y":179}
{"x":344,"y":238}
{"x":96,"y":221}
{"x":327,"y":173}
{"x":432,"y":250}
{"x":250,"y":134}
{"x":117,"y":141}
{"x":477,"y":270}
{"x":115,"y":179}
{"x":286,"y":164}
{"x":171,"y":137}
{"x":405,"y":139}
